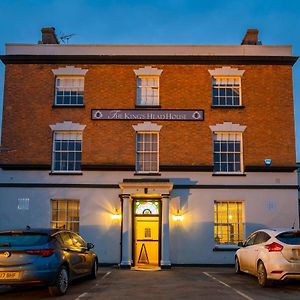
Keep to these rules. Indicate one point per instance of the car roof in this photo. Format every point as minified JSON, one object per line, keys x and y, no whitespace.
{"x":49,"y":231}
{"x":276,"y":231}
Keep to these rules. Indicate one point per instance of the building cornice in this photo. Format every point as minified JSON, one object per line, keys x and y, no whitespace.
{"x":138,"y":49}
{"x":149,"y":59}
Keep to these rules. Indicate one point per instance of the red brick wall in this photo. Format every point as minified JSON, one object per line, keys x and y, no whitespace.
{"x":266,"y":95}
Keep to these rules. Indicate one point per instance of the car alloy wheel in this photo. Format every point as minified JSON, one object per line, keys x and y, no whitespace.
{"x":63,"y":280}
{"x":262,"y":275}
{"x":61,"y":284}
{"x":237,"y":266}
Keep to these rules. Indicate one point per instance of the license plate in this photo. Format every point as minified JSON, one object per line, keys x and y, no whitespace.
{"x":9,"y":275}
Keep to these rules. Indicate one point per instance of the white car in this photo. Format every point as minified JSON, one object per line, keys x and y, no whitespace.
{"x":270,"y":254}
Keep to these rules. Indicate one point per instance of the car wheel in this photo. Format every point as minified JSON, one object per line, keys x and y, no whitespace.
{"x":237,"y":266}
{"x":262,"y":275}
{"x":61,"y":283}
{"x":94,"y":270}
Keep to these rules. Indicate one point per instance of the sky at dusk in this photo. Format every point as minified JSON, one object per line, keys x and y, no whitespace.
{"x":198,"y":22}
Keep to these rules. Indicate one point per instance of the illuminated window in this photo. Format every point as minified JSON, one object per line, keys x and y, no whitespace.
{"x":228,"y":222}
{"x":228,"y":152}
{"x":147,"y":150}
{"x":147,"y":207}
{"x":226,"y":91}
{"x":67,"y":150}
{"x":147,"y":90}
{"x":69,"y":90}
{"x":65,"y":214}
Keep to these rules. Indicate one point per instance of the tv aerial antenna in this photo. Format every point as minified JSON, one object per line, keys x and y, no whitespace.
{"x":64,"y":38}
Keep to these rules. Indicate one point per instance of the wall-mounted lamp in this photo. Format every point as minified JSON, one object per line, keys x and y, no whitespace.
{"x":116,"y":215}
{"x":178,"y":216}
{"x":268,"y":162}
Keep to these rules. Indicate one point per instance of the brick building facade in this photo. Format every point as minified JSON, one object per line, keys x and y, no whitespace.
{"x":198,"y":138}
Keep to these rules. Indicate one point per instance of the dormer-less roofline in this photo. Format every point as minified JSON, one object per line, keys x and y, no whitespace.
{"x":146,"y":54}
{"x":145,"y":50}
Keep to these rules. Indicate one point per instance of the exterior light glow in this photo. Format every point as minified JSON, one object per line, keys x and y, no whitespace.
{"x":116,"y":215}
{"x":178,"y":217}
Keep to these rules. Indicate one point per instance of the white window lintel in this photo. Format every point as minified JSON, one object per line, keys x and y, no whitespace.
{"x":147,"y":126}
{"x":226,"y":71}
{"x":148,"y":71}
{"x":228,"y":126}
{"x":67,"y":126}
{"x":69,"y":70}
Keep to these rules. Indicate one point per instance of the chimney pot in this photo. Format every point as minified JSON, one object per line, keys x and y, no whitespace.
{"x":251,"y":38}
{"x":49,"y":36}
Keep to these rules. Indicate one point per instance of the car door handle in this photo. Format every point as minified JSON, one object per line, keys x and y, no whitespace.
{"x":67,"y":249}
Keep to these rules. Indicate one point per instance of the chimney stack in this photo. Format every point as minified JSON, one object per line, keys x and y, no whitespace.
{"x":251,"y":38}
{"x":49,"y":36}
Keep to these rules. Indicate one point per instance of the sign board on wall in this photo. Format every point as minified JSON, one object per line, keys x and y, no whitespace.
{"x":148,"y":114}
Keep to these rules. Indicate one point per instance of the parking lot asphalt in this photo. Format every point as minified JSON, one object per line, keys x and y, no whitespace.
{"x":176,"y":283}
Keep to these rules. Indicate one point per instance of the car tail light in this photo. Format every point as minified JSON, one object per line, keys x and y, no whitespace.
{"x":274,"y":247}
{"x":41,"y":252}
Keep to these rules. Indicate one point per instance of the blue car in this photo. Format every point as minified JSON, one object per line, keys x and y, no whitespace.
{"x":52,"y":257}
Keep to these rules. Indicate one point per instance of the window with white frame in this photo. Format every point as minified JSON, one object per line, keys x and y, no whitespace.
{"x":228,"y":222}
{"x":65,"y":214}
{"x":67,"y":151}
{"x":69,"y":90}
{"x":228,"y":152}
{"x":226,"y":91}
{"x":147,"y":152}
{"x":147,"y":90}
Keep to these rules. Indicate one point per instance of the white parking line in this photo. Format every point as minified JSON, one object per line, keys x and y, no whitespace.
{"x":227,"y":285}
{"x":106,"y":274}
{"x":81,"y":296}
{"x":86,"y":293}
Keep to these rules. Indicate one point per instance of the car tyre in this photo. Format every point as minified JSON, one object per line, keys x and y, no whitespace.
{"x":94,"y":270}
{"x":262,"y":276}
{"x":61,"y":283}
{"x":237,"y":267}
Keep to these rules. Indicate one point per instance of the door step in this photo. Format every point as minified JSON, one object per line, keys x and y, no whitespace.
{"x":146,"y":268}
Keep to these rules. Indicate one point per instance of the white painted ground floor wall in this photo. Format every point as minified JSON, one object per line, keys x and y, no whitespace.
{"x":270,"y":200}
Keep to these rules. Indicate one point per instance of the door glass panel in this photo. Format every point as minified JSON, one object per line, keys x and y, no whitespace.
{"x":146,"y":207}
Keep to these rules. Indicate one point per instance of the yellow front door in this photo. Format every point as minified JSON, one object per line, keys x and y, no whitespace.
{"x":146,"y":241}
{"x":146,"y":252}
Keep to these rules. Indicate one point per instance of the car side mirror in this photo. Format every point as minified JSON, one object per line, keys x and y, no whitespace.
{"x":90,"y":246}
{"x":241,"y":244}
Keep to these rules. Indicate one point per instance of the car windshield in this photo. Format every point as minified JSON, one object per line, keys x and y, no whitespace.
{"x":10,"y":239}
{"x":290,"y":237}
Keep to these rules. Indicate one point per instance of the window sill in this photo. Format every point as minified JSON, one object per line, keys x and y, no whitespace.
{"x":223,"y":248}
{"x":146,"y":106}
{"x":65,"y":173}
{"x":228,"y":106}
{"x":147,"y":174}
{"x":228,"y":174}
{"x":68,"y":106}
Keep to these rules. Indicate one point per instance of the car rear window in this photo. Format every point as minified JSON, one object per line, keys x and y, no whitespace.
{"x":290,"y":238}
{"x":22,"y":239}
